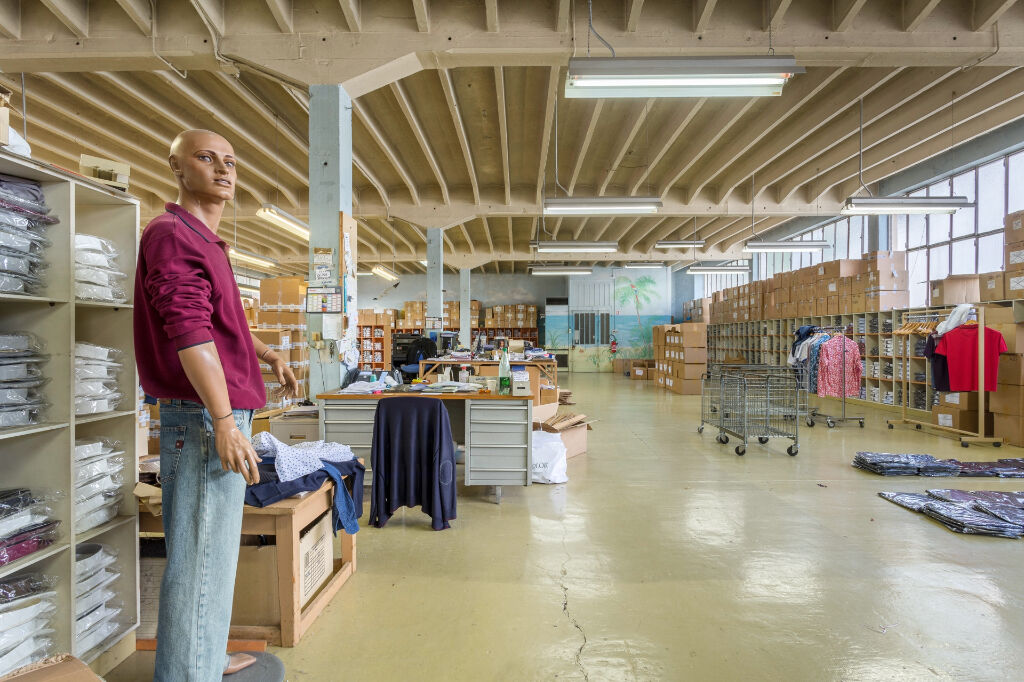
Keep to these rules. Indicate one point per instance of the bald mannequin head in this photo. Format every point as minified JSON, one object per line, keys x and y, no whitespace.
{"x":203,"y":162}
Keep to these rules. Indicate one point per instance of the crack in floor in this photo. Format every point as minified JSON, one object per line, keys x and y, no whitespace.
{"x":568,"y":614}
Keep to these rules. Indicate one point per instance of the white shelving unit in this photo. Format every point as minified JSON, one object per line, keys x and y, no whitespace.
{"x":40,"y":456}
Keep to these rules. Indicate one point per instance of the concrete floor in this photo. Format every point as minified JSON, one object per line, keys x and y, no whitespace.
{"x":667,"y":557}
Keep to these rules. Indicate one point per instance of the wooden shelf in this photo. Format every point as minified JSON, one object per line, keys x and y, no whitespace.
{"x":116,"y":522}
{"x":33,"y":558}
{"x":103,"y":416}
{"x":102,"y":304}
{"x":29,"y":430}
{"x":25,"y":298}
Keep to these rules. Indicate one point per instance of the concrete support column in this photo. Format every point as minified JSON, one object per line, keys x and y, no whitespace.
{"x":465,"y":324}
{"x":435,"y":272}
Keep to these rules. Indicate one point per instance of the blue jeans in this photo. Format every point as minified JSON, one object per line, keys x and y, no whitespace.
{"x":202,"y":514}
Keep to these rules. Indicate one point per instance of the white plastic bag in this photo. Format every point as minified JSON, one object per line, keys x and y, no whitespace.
{"x":549,"y":460}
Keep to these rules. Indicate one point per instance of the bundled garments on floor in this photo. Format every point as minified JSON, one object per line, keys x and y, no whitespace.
{"x":982,"y":512}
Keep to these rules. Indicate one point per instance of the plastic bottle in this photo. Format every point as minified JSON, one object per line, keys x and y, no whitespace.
{"x":504,"y":374}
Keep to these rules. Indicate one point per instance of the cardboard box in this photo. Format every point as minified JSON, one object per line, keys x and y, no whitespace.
{"x":993,"y":286}
{"x":573,"y":430}
{"x":1013,"y":227}
{"x":1013,"y":285}
{"x":1011,"y":369}
{"x":1013,"y":334}
{"x":277,"y":339}
{"x":879,"y":301}
{"x":639,"y":373}
{"x":684,"y":387}
{"x":956,"y":289}
{"x":1007,"y":399}
{"x":693,"y":372}
{"x":58,"y":668}
{"x":953,"y":417}
{"x":885,"y":260}
{"x":887,"y":280}
{"x":840,"y":268}
{"x":1009,"y":427}
{"x":832,"y":305}
{"x":695,"y":356}
{"x":857,"y":303}
{"x":961,"y":401}
{"x":1013,"y":257}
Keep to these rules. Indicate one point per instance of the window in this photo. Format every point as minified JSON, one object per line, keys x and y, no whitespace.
{"x":991,"y":196}
{"x":1015,"y":179}
{"x":713,"y":283}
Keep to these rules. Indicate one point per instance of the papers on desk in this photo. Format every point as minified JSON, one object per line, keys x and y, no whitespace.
{"x":449,"y":387}
{"x":366,"y":387}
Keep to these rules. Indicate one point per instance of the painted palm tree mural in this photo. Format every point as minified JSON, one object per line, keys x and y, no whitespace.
{"x":637,"y":294}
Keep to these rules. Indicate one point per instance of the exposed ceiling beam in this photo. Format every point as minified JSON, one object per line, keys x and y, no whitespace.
{"x":487,"y":234}
{"x":915,"y":12}
{"x":702,"y":10}
{"x":139,"y":11}
{"x":398,"y":90}
{"x":460,"y":129}
{"x":684,"y":114}
{"x":364,"y":117}
{"x":72,"y":13}
{"x":212,"y":12}
{"x":588,"y":136}
{"x":774,"y":11}
{"x":511,"y":239}
{"x":499,"y":86}
{"x":545,"y":141}
{"x":640,"y":235}
{"x":282,"y":11}
{"x":633,"y":9}
{"x":469,"y":242}
{"x":266,"y":112}
{"x":491,"y":10}
{"x":350,"y":8}
{"x":10,"y":18}
{"x":844,"y":12}
{"x":760,"y":227}
{"x":562,"y":10}
{"x":422,"y":11}
{"x":638,"y":121}
{"x":984,"y":13}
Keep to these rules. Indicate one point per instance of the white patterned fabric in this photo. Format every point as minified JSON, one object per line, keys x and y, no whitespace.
{"x":296,"y":461}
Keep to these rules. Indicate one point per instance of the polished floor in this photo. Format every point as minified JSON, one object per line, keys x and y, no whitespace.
{"x":667,"y":557}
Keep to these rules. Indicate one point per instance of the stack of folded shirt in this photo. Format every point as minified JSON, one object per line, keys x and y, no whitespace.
{"x":26,"y":525}
{"x":27,"y":605}
{"x":98,"y":477}
{"x":892,"y":464}
{"x":97,"y":371}
{"x":96,"y":605}
{"x":978,"y":512}
{"x":962,"y":519}
{"x":98,"y":277}
{"x":912,"y":501}
{"x":24,"y":217}
{"x":21,"y":379}
{"x":1003,"y":468}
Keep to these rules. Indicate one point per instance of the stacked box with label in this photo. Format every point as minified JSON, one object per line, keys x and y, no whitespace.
{"x":959,"y":410}
{"x":882,"y":285}
{"x":1008,"y":401}
{"x":686,"y":356}
{"x":414,"y":315}
{"x":1013,"y":262}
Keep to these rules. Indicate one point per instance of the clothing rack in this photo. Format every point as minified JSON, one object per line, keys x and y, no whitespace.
{"x":832,"y":420}
{"x":966,"y":437}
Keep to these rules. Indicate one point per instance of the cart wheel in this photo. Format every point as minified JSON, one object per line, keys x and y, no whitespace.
{"x":740,"y":450}
{"x":862,"y":423}
{"x":890,"y":426}
{"x":700,"y":429}
{"x":964,"y":444}
{"x":917,"y":426}
{"x":762,"y":440}
{"x":792,"y":450}
{"x":723,"y":439}
{"x":810,"y":422}
{"x":830,"y":424}
{"x":997,"y":445}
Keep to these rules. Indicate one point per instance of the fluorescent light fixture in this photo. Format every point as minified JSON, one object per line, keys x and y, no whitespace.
{"x":785,"y":247}
{"x":560,"y":270}
{"x":364,"y":274}
{"x":643,"y":265}
{"x":251,"y":259}
{"x":248,"y":289}
{"x":743,"y":76}
{"x":679,"y":244}
{"x":423,"y":262}
{"x":386,"y":273}
{"x":717,"y":269}
{"x":602,"y":206}
{"x":904,"y":205}
{"x":575,"y":247}
{"x":272,"y":214}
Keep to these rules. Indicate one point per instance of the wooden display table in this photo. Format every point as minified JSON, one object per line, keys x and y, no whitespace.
{"x":285,"y":520}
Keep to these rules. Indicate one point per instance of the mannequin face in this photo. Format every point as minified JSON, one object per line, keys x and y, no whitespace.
{"x":204,"y":164}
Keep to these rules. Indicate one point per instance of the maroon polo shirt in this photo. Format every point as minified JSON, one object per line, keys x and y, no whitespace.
{"x":185,"y":295}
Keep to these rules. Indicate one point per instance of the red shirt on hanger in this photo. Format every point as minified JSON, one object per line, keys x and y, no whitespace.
{"x":960,"y":346}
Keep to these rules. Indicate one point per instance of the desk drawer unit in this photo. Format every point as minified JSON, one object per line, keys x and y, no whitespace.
{"x":499,"y":442}
{"x":350,"y":423}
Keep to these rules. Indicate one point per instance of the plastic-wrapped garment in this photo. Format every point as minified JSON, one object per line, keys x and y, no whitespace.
{"x":96,"y":581}
{"x":893,"y":464}
{"x":912,"y":501}
{"x":87,"y":369}
{"x":92,"y":352}
{"x":12,"y":637}
{"x":89,"y":242}
{"x":98,"y":635}
{"x":98,"y":516}
{"x":15,"y":265}
{"x":14,"y":500}
{"x":21,"y":393}
{"x":26,"y":518}
{"x":962,"y":519}
{"x":27,"y":608}
{"x":14,"y":416}
{"x":91,"y":600}
{"x":87,"y":448}
{"x":91,"y":557}
{"x":8,"y":203}
{"x":104,"y":277}
{"x":94,"y":388}
{"x":29,"y":190}
{"x":96,"y":259}
{"x":15,"y":589}
{"x":20,"y":368}
{"x":953,"y":495}
{"x":106,"y":464}
{"x":92,"y":619}
{"x":85,"y":406}
{"x":97,"y":486}
{"x":22,"y":240}
{"x":31,"y":650}
{"x":95,"y":292}
{"x":29,"y":540}
{"x":1006,"y":512}
{"x":20,"y":284}
{"x":14,"y":344}
{"x":22,"y":200}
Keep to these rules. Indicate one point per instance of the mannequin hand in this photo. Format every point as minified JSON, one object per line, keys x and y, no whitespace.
{"x":235,"y":451}
{"x":285,"y":377}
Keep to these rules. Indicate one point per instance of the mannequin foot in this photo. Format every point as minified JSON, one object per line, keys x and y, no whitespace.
{"x":237,"y":662}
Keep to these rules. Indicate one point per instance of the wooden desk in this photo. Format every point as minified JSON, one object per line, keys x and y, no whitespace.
{"x":497,"y":431}
{"x":285,"y":519}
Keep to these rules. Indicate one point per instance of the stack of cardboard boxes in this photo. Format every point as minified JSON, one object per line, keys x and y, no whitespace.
{"x":511,"y":316}
{"x":414,"y":314}
{"x":680,"y":356}
{"x":1007,"y":284}
{"x":1008,"y":401}
{"x":374,"y":339}
{"x":698,"y":310}
{"x":453,"y":312}
{"x":960,"y":411}
{"x":282,"y":326}
{"x":884,"y":283}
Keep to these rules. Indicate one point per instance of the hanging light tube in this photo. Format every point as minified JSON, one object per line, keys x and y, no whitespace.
{"x":785,"y":246}
{"x":248,"y":289}
{"x":904,"y":205}
{"x":643,"y":265}
{"x":385,"y":273}
{"x":742,"y":76}
{"x":575,"y":247}
{"x":560,"y":270}
{"x":251,"y":259}
{"x":272,"y":214}
{"x":679,"y":244}
{"x":717,"y":269}
{"x":602,"y":206}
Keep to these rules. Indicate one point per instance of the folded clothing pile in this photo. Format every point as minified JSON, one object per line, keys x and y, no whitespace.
{"x":21,"y":379}
{"x":98,"y":277}
{"x":96,"y":605}
{"x":26,"y":524}
{"x":27,"y":604}
{"x":24,"y":217}
{"x":1003,"y":468}
{"x":892,"y":464}
{"x":979,"y":512}
{"x":98,"y":480}
{"x":97,"y":373}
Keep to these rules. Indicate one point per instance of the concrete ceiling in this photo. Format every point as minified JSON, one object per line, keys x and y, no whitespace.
{"x":454,"y":116}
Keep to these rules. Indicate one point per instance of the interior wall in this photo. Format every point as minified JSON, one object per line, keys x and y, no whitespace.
{"x":490,"y":290}
{"x":685,"y":287}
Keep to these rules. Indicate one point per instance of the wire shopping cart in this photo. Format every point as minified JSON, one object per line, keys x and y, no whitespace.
{"x":753,"y":401}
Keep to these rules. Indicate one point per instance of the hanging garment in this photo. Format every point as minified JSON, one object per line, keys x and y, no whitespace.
{"x":814,"y":350}
{"x":956,"y":318}
{"x":839,"y":362}
{"x":940,"y":370}
{"x":802,"y":334}
{"x":960,"y":347}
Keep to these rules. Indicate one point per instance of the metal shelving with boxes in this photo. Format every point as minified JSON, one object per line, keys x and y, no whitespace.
{"x":43,"y":456}
{"x":282,"y":326}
